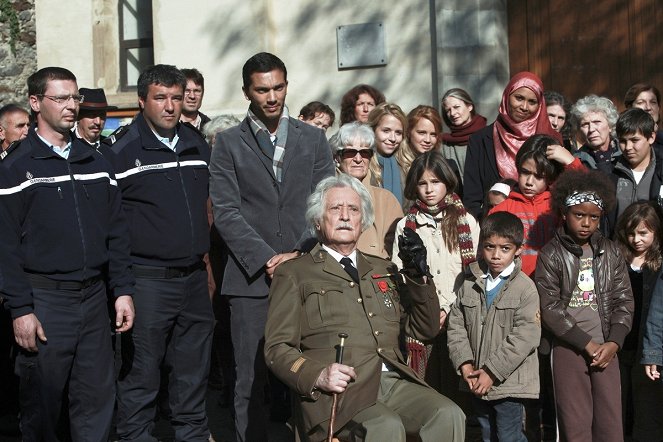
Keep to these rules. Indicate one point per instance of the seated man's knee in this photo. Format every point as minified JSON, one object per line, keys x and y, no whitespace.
{"x":386,"y":425}
{"x":445,"y":418}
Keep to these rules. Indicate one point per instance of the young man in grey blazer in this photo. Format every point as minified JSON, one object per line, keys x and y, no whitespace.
{"x":261,"y":172}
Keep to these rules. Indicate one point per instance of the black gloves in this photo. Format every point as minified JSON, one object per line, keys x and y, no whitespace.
{"x":412,"y":252}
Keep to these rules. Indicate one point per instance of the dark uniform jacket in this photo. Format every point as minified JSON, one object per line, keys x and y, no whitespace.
{"x":62,"y":219}
{"x":557,"y":272}
{"x":312,"y":299}
{"x":164,"y":193}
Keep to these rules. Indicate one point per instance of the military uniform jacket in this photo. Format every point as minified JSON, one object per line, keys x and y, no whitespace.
{"x":60,"y":218}
{"x":312,"y":299}
{"x":164,"y":193}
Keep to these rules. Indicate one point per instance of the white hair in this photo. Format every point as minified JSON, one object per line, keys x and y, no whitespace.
{"x":594,"y":103}
{"x":355,"y":130}
{"x":315,"y":204}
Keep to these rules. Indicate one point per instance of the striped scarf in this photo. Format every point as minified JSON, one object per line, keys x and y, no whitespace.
{"x":275,"y":150}
{"x":419,"y":352}
{"x":465,"y":245}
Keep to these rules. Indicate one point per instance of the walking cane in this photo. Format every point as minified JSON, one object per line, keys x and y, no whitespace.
{"x":339,"y":360}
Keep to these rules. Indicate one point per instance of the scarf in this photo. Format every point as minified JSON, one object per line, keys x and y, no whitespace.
{"x":460,"y":135}
{"x":465,"y":245}
{"x":274,"y":151}
{"x":391,"y":176}
{"x":509,"y":136}
{"x":418,"y":352}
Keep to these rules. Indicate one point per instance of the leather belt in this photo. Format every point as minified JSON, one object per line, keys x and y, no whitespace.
{"x":149,"y":272}
{"x":42,"y":282}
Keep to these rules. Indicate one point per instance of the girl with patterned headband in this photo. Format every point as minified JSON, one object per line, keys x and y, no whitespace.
{"x":587,"y":305}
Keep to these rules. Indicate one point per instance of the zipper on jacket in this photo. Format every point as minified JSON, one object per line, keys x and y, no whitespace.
{"x":60,"y":193}
{"x":599,"y":304}
{"x":80,"y":220}
{"x":482,"y":304}
{"x":186,"y":201}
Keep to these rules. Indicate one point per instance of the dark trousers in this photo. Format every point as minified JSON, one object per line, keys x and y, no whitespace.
{"x":589,"y":406}
{"x":8,"y":379}
{"x":173,"y":327}
{"x":642,"y":401}
{"x":247,"y":321}
{"x":500,"y":420}
{"x":67,"y":386}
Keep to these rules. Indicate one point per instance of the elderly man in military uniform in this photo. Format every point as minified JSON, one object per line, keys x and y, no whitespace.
{"x":337,"y":289}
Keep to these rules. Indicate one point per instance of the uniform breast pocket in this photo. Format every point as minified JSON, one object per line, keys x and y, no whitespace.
{"x":97,"y":191}
{"x":325,"y":305}
{"x":390,"y":305}
{"x":471,"y":305}
{"x":505,"y":310}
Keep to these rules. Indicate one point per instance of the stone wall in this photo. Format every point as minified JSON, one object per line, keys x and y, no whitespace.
{"x":16,"y":66}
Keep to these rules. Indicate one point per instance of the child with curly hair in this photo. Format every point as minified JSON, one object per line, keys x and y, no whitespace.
{"x":587,"y":304}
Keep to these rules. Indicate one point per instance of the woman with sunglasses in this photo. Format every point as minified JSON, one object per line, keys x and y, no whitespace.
{"x":354,"y":152}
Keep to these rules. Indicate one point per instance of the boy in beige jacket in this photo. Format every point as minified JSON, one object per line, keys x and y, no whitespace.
{"x":494,"y":330}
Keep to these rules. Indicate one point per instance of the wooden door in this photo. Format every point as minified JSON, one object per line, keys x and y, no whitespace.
{"x":579,"y":47}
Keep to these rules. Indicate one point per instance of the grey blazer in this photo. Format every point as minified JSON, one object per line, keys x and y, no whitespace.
{"x":256,"y":216}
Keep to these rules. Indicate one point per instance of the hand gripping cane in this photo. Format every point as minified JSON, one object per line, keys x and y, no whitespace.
{"x":339,"y":360}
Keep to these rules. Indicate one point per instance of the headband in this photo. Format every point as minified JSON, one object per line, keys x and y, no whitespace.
{"x":501,"y":188}
{"x":583,"y":197}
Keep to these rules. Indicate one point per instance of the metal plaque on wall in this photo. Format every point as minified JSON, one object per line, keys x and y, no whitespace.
{"x":361,"y":45}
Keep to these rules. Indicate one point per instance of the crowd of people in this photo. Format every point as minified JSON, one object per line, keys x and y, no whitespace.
{"x":506,"y":275}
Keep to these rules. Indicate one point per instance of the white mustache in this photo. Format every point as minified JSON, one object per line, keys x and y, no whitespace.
{"x":344,"y":226}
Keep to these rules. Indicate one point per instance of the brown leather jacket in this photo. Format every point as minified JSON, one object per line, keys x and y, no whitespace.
{"x":557,"y":274}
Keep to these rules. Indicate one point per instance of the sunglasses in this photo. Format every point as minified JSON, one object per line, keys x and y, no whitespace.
{"x":347,"y":154}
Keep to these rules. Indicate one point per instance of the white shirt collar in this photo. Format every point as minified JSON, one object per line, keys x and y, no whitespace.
{"x":169,"y":144}
{"x":62,"y":151}
{"x":196,"y":121}
{"x":337,"y":256}
{"x":80,"y":137}
{"x":503,"y":275}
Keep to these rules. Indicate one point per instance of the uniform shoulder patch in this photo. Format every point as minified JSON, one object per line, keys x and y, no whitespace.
{"x":12,"y":147}
{"x":115,"y":136}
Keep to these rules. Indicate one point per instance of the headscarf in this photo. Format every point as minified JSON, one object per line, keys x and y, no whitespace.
{"x":508,"y":135}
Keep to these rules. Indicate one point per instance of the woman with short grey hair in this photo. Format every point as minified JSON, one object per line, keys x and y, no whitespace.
{"x":354,"y":152}
{"x":597,"y":117}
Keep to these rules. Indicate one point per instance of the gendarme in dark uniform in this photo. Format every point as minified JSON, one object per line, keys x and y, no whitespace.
{"x":161,"y":168}
{"x":63,"y":240}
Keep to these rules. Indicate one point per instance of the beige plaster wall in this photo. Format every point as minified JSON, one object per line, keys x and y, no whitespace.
{"x":217,"y":37}
{"x":223,"y":35}
{"x":64,"y":37}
